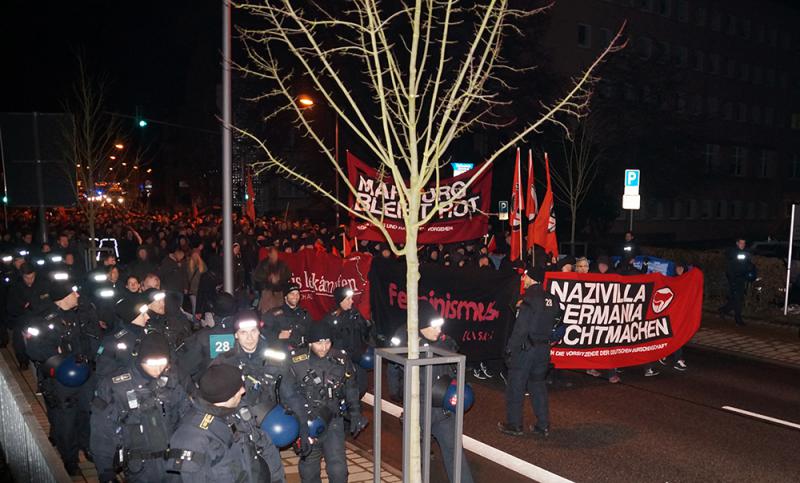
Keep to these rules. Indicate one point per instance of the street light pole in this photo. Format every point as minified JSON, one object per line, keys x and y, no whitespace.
{"x":227,"y":172}
{"x":336,"y":156}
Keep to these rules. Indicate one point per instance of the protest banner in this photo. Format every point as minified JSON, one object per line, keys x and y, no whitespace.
{"x":465,"y":219}
{"x":319,"y":273}
{"x":618,"y":321}
{"x":477,"y":304}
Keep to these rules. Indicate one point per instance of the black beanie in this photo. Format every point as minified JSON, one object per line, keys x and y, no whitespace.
{"x":129,"y":308}
{"x":59,"y":290}
{"x":341,"y":293}
{"x":427,"y":314}
{"x":291,"y":288}
{"x":220,"y":383}
{"x":224,"y":304}
{"x":318,"y":331}
{"x":153,"y":346}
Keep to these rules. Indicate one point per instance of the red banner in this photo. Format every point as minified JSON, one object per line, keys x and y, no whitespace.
{"x":618,"y":321}
{"x":319,"y":273}
{"x":463,"y":220}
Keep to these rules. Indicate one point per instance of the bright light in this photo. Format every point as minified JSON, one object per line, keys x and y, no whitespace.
{"x":119,"y":146}
{"x":56,"y":258}
{"x":61,"y":276}
{"x":247,"y":324}
{"x":149,"y":170}
{"x":7,"y":258}
{"x":40,"y":262}
{"x":107,"y":293}
{"x":120,"y":200}
{"x":124,"y":164}
{"x":112,"y":157}
{"x":143,"y":309}
{"x":135,"y":167}
{"x":33,"y":331}
{"x":100,"y":277}
{"x":77,"y":165}
{"x":305,"y":101}
{"x":161,"y":361}
{"x":437,"y":322}
{"x":142,"y":123}
{"x":274,"y":354}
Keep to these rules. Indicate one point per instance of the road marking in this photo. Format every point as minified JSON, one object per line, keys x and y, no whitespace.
{"x":761,"y":416}
{"x":491,"y":453}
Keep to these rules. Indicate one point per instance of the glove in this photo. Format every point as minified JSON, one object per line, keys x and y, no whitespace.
{"x":302,"y":447}
{"x":357,"y":423}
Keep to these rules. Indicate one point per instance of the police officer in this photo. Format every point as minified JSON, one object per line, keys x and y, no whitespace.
{"x":350,"y":331}
{"x":528,"y":356}
{"x":175,"y":328}
{"x":25,"y":295}
{"x":206,"y":344}
{"x":738,"y":263}
{"x":264,"y":368}
{"x":288,"y":322}
{"x":218,"y":440}
{"x":134,"y":413}
{"x":325,"y":378}
{"x":51,"y":337}
{"x":430,"y":324}
{"x":118,"y":349}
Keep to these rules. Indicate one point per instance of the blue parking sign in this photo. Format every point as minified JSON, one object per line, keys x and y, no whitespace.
{"x":631,"y":178}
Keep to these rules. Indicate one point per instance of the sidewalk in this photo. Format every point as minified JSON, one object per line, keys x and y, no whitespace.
{"x":359,"y":462}
{"x":758,"y":340}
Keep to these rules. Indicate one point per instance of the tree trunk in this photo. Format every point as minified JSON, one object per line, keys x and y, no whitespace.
{"x":412,"y":290}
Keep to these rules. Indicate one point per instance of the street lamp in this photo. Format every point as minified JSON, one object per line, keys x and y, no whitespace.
{"x":119,"y":146}
{"x":306,"y":102}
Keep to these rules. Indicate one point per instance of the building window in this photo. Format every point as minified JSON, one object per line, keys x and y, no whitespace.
{"x":721,"y":209}
{"x":714,"y":60}
{"x":711,"y":157}
{"x":727,"y":111}
{"x":795,"y":166}
{"x":677,"y":210}
{"x":763,"y":211}
{"x":692,"y":210}
{"x":738,"y":162}
{"x":605,"y":34}
{"x":750,"y":210}
{"x":663,"y":54}
{"x":742,"y":117}
{"x":765,"y":165}
{"x":745,"y":72}
{"x":699,"y":60}
{"x":731,"y":25}
{"x":716,"y":22}
{"x":682,"y":8}
{"x":708,"y":208}
{"x":584,"y":35}
{"x":756,"y":111}
{"x":713,"y":106}
{"x":730,"y":68}
{"x":735,"y":210}
{"x":761,"y":35}
{"x":758,"y":75}
{"x":681,"y":56}
{"x":769,"y":116}
{"x":665,"y":7}
{"x":745,"y":28}
{"x":701,"y":17}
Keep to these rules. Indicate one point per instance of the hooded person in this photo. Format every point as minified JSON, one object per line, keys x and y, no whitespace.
{"x":135,"y":411}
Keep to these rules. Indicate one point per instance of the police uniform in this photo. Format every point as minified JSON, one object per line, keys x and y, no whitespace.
{"x":528,"y":359}
{"x":117,"y":350}
{"x":330,"y":392}
{"x":24,"y":300}
{"x":200,"y":349}
{"x":134,"y":416}
{"x":737,"y":265}
{"x":52,"y":335}
{"x":349,"y":333}
{"x":442,"y":421}
{"x":220,"y":444}
{"x":283,"y":318}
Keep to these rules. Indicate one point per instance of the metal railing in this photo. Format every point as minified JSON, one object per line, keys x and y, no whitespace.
{"x":28,"y":452}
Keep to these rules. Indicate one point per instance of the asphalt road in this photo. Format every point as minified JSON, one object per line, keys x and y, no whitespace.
{"x":668,"y":428}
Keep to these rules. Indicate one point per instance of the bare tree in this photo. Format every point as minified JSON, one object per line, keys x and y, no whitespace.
{"x":429,"y":71}
{"x":97,"y":150}
{"x":580,"y":164}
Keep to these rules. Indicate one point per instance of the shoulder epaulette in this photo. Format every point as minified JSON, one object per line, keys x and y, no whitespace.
{"x":207,"y":419}
{"x":277,"y":312}
{"x":121,"y":378}
{"x":300,"y":358}
{"x":120,"y":333}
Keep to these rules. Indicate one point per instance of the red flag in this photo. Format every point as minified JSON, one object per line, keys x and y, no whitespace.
{"x":515,"y":219}
{"x":346,"y":247}
{"x":319,"y":247}
{"x":531,"y":204}
{"x":542,"y":231}
{"x":250,"y":205}
{"x":492,"y":246}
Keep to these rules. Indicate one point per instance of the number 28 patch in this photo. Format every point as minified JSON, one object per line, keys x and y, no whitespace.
{"x":219,"y":343}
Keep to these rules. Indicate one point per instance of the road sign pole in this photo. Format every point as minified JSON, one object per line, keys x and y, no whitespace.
{"x":789,"y":264}
{"x":630,"y":224}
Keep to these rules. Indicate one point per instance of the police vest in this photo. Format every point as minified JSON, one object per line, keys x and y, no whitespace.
{"x":144,"y":413}
{"x":326,"y":388}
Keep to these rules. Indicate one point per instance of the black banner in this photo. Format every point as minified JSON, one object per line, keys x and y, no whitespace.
{"x":476,"y":303}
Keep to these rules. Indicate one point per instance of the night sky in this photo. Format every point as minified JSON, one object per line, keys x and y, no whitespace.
{"x":162,"y":56}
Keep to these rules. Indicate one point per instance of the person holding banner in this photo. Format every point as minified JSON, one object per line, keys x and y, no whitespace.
{"x":528,"y":356}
